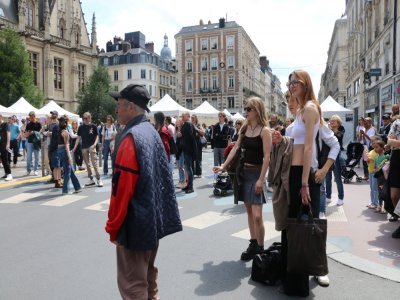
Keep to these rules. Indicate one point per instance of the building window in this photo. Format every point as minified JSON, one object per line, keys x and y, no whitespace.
{"x":356,"y":86}
{"x":150,"y":90}
{"x":214,"y":83}
{"x":116,"y":60}
{"x":204,"y":44}
{"x":105,"y":61}
{"x":189,"y":66}
{"x":230,"y":41}
{"x":189,"y":45}
{"x":189,"y":103}
{"x":231,"y":102}
{"x":214,"y":63}
{"x":203,"y":99}
{"x":129,"y":74}
{"x":115,"y":75}
{"x":150,"y":75}
{"x":33,"y":61}
{"x":349,"y":92}
{"x":231,"y":82}
{"x":29,"y":13}
{"x":204,"y":63}
{"x":58,"y":73}
{"x":143,"y":73}
{"x":214,"y":43}
{"x":205,"y":83}
{"x":214,"y":102}
{"x":189,"y":85}
{"x":62,"y":28}
{"x":81,"y":76}
{"x":230,"y":61}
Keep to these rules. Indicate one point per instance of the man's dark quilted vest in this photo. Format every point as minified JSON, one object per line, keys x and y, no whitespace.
{"x":153,"y":210}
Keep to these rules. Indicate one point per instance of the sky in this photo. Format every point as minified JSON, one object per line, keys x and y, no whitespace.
{"x":292,"y":34}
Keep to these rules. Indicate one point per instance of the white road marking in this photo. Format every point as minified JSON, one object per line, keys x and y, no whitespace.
{"x":270,"y":232}
{"x":206,"y":219}
{"x":64,"y":200}
{"x":101,"y":206}
{"x":21,"y":198}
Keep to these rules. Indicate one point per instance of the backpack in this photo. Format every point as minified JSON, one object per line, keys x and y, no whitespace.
{"x":322,"y":153}
{"x":267,"y":267}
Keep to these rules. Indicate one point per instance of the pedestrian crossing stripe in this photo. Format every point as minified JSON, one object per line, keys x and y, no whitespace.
{"x":21,"y":198}
{"x":206,"y":219}
{"x":64,"y":200}
{"x":100,"y":206}
{"x":270,"y":232}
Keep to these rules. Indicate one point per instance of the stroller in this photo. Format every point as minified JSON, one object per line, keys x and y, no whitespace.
{"x":223,"y":184}
{"x":354,"y":154}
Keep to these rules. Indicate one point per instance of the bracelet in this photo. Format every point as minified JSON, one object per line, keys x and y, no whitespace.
{"x":304,"y":185}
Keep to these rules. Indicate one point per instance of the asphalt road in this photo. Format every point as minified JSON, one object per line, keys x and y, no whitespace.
{"x":55,"y":247}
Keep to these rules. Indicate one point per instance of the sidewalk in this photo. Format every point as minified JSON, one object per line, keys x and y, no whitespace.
{"x":361,"y":238}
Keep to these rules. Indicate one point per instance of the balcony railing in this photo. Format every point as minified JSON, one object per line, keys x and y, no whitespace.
{"x":209,"y":90}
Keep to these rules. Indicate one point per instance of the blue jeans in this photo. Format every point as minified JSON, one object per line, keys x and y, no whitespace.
{"x":68,"y":171}
{"x":106,"y":153}
{"x":322,"y":199}
{"x":218,"y":156}
{"x":374,"y":193}
{"x":29,"y":151}
{"x":181,"y":168}
{"x":189,"y":170}
{"x":339,"y":163}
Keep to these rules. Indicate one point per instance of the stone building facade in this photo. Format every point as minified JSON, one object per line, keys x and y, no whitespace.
{"x":61,"y":53}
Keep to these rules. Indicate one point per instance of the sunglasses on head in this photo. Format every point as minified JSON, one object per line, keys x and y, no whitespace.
{"x":248,"y":109}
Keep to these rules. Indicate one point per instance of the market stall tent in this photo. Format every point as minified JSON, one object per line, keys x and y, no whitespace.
{"x":21,"y":108}
{"x":237,"y":116}
{"x":45,"y":110}
{"x":168,"y":106}
{"x":5,"y":112}
{"x":206,"y":110}
{"x":227,"y":113}
{"x":330,"y":107}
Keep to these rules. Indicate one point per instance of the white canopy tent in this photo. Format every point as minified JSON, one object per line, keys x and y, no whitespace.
{"x":45,"y":110}
{"x":237,"y":116}
{"x":205,"y":110}
{"x":330,"y":107}
{"x":21,"y":108}
{"x":227,"y":113}
{"x":5,"y":112}
{"x":168,"y":106}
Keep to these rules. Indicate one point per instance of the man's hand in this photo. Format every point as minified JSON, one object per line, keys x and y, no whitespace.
{"x":320,"y":175}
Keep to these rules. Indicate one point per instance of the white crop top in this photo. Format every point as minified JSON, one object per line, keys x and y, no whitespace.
{"x":289,"y":130}
{"x":298,"y":133}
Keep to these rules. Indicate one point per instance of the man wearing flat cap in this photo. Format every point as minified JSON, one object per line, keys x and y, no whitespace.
{"x":385,"y":127}
{"x":143,"y":207}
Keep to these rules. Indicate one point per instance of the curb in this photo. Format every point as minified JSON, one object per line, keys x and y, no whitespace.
{"x":361,"y":264}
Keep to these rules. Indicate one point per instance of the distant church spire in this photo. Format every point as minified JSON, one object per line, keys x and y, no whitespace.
{"x":94,"y":35}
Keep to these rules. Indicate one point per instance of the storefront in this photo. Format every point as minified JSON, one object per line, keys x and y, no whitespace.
{"x":372,"y":105}
{"x":397,"y":91}
{"x":386,"y":99}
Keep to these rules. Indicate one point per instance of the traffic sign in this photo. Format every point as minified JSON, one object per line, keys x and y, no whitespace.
{"x":375,"y":72}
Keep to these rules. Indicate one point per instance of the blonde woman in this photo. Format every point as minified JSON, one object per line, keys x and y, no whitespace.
{"x":255,"y":142}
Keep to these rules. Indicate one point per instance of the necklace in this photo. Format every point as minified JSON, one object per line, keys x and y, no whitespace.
{"x":253,"y":129}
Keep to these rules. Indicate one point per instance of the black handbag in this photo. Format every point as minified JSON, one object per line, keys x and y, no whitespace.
{"x":307,"y":245}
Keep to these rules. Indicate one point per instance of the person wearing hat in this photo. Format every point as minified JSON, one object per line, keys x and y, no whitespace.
{"x":32,"y":134}
{"x":143,"y":207}
{"x":385,"y":127}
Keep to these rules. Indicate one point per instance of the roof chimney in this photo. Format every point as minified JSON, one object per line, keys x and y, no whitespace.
{"x":150,"y":47}
{"x":201,"y":22}
{"x":221,"y":22}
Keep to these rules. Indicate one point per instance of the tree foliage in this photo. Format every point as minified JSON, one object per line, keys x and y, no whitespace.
{"x":16,"y":75}
{"x":94,"y":96}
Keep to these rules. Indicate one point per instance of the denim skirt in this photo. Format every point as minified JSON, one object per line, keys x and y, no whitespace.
{"x":247,"y":189}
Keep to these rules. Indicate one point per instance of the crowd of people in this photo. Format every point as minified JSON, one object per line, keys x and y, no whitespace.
{"x":286,"y":157}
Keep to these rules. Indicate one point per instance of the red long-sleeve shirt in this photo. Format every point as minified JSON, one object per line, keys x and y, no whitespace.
{"x":126,"y":173}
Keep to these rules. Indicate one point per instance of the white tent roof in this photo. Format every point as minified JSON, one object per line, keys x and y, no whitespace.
{"x":22,"y":108}
{"x":168,"y":106}
{"x":45,"y":110}
{"x":330,"y":105}
{"x":237,"y":116}
{"x":205,"y":109}
{"x":227,"y":113}
{"x":5,"y":111}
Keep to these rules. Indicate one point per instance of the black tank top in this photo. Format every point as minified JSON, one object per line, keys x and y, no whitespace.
{"x":253,"y":153}
{"x":60,"y":138}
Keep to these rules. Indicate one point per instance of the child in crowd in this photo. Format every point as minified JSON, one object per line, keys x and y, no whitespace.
{"x":380,"y":160}
{"x":373,"y":184}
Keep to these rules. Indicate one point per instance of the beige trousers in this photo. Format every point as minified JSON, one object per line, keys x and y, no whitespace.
{"x":92,"y":162}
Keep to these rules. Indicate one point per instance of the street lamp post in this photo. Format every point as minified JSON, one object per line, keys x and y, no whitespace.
{"x":222,"y":67}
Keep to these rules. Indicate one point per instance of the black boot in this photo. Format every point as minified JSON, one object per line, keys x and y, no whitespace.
{"x":251,"y":251}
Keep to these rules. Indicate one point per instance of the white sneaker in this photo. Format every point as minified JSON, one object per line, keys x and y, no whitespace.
{"x":91,"y":182}
{"x":322,"y":280}
{"x":99,"y":183}
{"x":269,"y":189}
{"x":339,"y":202}
{"x":8,"y":178}
{"x":328,"y":200}
{"x":322,"y":216}
{"x":36,"y":173}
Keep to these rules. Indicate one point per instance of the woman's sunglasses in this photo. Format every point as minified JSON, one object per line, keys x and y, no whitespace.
{"x":248,"y":109}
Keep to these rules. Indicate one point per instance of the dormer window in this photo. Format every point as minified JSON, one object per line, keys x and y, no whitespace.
{"x":62,"y":30}
{"x":29,"y":13}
